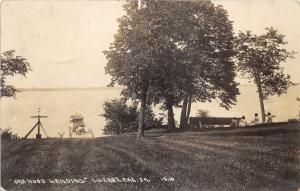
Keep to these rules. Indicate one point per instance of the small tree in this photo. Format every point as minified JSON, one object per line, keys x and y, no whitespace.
{"x":259,"y":60}
{"x":203,"y":113}
{"x":122,"y":118}
{"x":10,"y":66}
{"x":119,"y":117}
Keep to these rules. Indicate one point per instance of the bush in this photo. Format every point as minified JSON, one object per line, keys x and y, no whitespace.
{"x":203,"y":113}
{"x":293,"y":120}
{"x":7,"y":134}
{"x":122,"y":118}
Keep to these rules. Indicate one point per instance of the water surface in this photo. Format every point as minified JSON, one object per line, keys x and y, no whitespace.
{"x":60,"y":105}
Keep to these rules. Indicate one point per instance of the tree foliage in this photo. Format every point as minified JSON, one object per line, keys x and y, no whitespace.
{"x":11,"y":65}
{"x":122,"y":118}
{"x":208,"y":49}
{"x":197,"y":61}
{"x":203,"y":113}
{"x":131,"y":61}
{"x":130,"y":57}
{"x":259,"y":60}
{"x":172,"y":49}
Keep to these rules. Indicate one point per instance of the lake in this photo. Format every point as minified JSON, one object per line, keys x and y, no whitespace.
{"x":60,"y":105}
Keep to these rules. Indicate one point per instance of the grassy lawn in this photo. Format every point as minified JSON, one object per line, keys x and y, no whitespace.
{"x":237,"y":159}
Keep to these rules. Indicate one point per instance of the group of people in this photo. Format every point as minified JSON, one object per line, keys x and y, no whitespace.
{"x":243,"y":122}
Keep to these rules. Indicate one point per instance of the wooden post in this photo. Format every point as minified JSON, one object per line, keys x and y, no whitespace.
{"x":38,"y":125}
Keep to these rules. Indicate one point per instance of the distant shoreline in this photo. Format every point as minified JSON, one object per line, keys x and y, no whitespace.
{"x":88,"y":88}
{"x":68,"y":89}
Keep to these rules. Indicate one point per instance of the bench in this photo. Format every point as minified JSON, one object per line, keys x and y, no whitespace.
{"x":200,"y":122}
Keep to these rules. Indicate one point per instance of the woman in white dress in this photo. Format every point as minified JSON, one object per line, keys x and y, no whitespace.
{"x":243,"y":122}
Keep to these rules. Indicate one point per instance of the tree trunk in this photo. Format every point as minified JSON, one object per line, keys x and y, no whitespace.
{"x":261,"y":97}
{"x":171,"y":120}
{"x":189,"y":108}
{"x":140,"y":133}
{"x":261,"y":100}
{"x":183,"y":117}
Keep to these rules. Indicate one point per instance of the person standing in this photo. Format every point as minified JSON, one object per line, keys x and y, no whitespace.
{"x":269,"y":118}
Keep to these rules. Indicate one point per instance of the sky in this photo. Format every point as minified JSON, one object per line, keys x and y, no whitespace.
{"x":63,"y":40}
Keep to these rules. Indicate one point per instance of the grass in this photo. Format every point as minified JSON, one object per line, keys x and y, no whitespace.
{"x":265,"y":158}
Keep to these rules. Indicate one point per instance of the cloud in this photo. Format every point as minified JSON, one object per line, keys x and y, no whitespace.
{"x":69,"y":61}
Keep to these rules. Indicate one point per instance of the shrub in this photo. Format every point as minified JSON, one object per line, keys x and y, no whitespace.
{"x":203,"y":113}
{"x":7,"y":134}
{"x":122,"y":118}
{"x":293,"y":120}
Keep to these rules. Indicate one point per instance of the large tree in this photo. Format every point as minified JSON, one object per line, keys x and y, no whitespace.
{"x":174,"y":49}
{"x":259,"y":60}
{"x":196,"y":60}
{"x":11,"y":65}
{"x":196,"y":64}
{"x":208,"y":50}
{"x":131,"y":57}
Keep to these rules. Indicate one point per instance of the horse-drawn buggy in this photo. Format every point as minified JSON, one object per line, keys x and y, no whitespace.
{"x":77,"y":128}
